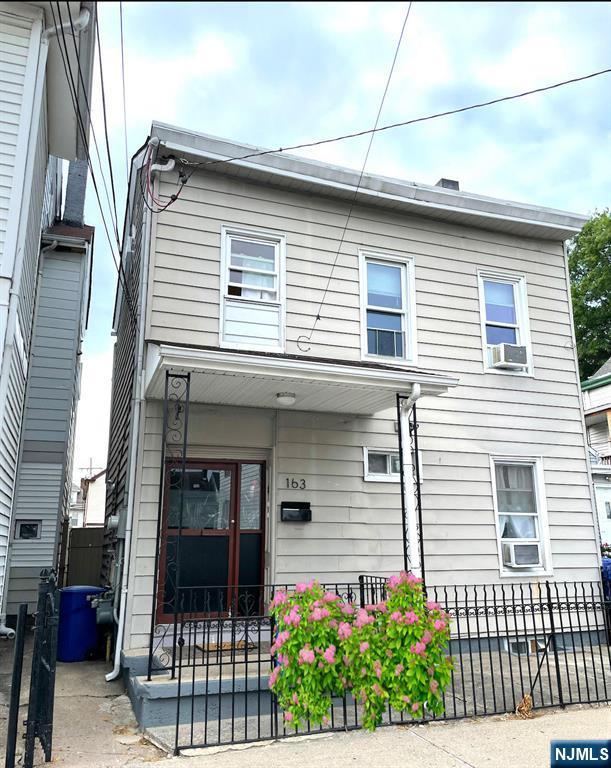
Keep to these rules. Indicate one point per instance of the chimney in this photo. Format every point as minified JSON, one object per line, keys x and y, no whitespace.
{"x":75,"y":193}
{"x":448,"y":184}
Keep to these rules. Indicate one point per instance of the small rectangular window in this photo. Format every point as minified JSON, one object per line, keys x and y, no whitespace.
{"x":27,"y":529}
{"x":519,"y":515}
{"x":387,"y":314}
{"x":382,"y":465}
{"x":504,"y":315}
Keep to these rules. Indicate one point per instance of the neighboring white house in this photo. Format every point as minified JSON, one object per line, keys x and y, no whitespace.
{"x":296,"y":350}
{"x":39,"y":126}
{"x":94,"y":498}
{"x":597,"y":406}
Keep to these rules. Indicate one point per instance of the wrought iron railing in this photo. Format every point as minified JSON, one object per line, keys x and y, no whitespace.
{"x":522,"y":646}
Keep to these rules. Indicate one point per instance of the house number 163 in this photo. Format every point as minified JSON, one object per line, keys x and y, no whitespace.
{"x":296,"y":482}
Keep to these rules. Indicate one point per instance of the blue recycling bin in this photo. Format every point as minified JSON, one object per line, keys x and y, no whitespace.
{"x":78,"y":630}
{"x":606,"y":576}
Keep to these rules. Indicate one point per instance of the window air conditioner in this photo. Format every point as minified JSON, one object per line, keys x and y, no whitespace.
{"x":516,"y":555}
{"x":509,"y":356}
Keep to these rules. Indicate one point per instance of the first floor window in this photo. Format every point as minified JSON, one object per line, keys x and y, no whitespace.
{"x":383,"y":466}
{"x":519,"y":517}
{"x":387,"y":314}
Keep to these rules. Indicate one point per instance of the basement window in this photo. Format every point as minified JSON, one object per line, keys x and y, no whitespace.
{"x":27,"y":529}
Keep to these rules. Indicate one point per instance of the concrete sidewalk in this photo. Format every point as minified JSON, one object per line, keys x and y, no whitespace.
{"x":483,"y":743}
{"x":94,"y":728}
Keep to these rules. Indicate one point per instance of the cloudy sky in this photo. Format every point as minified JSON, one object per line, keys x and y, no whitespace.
{"x":273,"y":74}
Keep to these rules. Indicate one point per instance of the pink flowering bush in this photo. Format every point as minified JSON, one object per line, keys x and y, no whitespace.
{"x":393,"y":652}
{"x":309,"y":673}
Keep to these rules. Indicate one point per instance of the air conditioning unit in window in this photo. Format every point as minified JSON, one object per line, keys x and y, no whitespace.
{"x":509,"y":356}
{"x":516,"y":555}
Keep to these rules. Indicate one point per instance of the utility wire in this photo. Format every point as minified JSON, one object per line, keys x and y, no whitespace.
{"x":118,"y":262}
{"x":403,"y":123}
{"x":303,"y":339}
{"x":356,"y":134}
{"x":115,"y":220}
{"x":123,"y":86}
{"x":74,"y":98}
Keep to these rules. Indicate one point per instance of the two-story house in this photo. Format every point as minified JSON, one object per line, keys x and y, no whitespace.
{"x":40,"y":42}
{"x":597,"y":407}
{"x":271,"y":358}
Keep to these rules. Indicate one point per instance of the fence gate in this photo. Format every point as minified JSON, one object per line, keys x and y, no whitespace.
{"x":39,"y":724}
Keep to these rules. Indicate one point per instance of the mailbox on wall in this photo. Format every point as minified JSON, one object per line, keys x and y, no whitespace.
{"x":295,"y":511}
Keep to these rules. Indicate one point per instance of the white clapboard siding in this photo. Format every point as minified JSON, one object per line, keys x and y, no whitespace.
{"x":15,"y":34}
{"x":599,"y":437}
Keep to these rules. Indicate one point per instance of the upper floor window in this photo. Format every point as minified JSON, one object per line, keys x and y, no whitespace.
{"x":387,"y":306}
{"x":520,"y":513}
{"x":504,"y":318}
{"x":253,"y":268}
{"x":252,"y":289}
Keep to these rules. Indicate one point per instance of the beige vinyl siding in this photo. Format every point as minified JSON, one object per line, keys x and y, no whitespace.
{"x":356,"y":525}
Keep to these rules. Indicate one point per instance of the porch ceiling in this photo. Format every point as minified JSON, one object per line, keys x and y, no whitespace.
{"x":245,"y":379}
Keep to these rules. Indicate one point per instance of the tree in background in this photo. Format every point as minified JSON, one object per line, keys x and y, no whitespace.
{"x":590,"y":270}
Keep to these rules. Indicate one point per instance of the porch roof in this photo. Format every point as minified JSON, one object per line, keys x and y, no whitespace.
{"x":254,"y":379}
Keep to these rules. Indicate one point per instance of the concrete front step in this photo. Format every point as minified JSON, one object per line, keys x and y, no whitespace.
{"x":216,"y":692}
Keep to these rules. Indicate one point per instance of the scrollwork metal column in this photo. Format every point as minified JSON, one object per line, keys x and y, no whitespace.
{"x":410,"y":506}
{"x":173,"y":447}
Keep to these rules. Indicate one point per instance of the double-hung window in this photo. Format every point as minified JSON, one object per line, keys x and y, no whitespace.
{"x":387,"y":307}
{"x":504,"y":315}
{"x":520,"y":514}
{"x":252,"y":289}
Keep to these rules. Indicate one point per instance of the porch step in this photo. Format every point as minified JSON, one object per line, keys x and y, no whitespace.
{"x":215,"y":692}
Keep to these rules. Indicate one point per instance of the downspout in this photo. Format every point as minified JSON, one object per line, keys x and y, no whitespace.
{"x":138,"y":399}
{"x":407,"y":477}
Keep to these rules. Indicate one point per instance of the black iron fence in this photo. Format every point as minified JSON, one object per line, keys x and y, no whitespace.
{"x":39,"y":722}
{"x":515,"y":646}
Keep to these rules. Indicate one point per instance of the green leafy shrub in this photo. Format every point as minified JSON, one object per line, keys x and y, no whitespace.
{"x":392,"y":652}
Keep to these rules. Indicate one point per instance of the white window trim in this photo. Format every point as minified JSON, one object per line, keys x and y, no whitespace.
{"x":393,"y":477}
{"x":277,"y":238}
{"x":411,"y":354}
{"x":546,"y":569}
{"x":519,"y":281}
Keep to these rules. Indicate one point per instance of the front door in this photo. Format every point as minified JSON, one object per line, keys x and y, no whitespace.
{"x":213,"y":538}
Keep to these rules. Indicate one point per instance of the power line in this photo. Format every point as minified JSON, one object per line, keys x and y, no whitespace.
{"x":117,"y":261}
{"x":80,"y":123}
{"x":123,"y":86}
{"x":72,"y":83}
{"x":403,"y":123}
{"x":303,"y":338}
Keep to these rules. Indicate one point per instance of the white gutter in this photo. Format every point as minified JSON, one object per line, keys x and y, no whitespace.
{"x":138,"y":399}
{"x":79,"y":25}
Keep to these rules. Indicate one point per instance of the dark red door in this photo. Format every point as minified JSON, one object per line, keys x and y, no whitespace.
{"x":214,"y":527}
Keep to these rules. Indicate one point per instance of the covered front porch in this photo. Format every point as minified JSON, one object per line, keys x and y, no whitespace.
{"x":260,"y":476}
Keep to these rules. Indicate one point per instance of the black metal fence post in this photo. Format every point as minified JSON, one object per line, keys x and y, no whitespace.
{"x":550,"y":606}
{"x":13,"y":714}
{"x":39,"y":723}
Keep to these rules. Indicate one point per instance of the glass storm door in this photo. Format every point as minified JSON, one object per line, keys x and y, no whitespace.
{"x":212,"y":547}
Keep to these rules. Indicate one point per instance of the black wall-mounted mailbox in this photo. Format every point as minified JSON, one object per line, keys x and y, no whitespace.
{"x":295,"y":512}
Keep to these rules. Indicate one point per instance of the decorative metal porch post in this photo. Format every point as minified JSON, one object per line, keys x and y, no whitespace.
{"x":411,"y":501}
{"x":174,"y":435}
